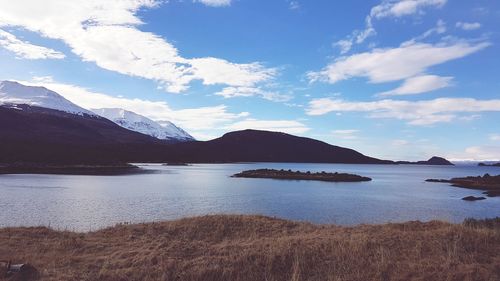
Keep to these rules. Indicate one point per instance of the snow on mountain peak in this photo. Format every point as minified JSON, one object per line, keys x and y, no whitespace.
{"x":14,"y":93}
{"x":144,"y":125}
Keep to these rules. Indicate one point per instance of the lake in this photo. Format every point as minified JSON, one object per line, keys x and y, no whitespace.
{"x":85,"y":203}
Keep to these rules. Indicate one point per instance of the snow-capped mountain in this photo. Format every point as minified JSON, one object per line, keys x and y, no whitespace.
{"x":144,"y":125}
{"x":14,"y":93}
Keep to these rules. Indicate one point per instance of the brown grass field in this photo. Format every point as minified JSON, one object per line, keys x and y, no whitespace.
{"x":241,"y":248}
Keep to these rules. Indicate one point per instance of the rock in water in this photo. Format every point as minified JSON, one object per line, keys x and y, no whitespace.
{"x":473,"y":198}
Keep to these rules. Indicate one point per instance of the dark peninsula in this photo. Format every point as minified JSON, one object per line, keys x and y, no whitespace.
{"x":432,"y":161}
{"x":71,"y":169}
{"x":297,"y":175}
{"x":489,"y":184}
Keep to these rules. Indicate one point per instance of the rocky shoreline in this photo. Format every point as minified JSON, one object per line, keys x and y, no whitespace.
{"x":489,"y":184}
{"x":298,"y":175}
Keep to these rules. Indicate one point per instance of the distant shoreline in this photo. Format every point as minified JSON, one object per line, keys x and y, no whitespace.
{"x":82,"y":169}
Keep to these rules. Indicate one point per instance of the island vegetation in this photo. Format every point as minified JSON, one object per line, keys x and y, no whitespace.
{"x":489,"y":165}
{"x":473,"y":198}
{"x":298,"y":175}
{"x":241,"y":248}
{"x":71,"y":169}
{"x":176,"y":164}
{"x":489,"y":184}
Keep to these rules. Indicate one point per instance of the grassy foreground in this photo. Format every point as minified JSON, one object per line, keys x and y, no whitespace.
{"x":260,"y":248}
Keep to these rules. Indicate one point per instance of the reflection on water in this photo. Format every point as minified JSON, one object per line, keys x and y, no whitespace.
{"x":397,"y":193}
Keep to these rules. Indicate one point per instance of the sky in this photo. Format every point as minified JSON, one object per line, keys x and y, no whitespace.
{"x":394,"y":79}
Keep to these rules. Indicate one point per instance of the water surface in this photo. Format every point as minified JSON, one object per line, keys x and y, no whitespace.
{"x":397,"y":193}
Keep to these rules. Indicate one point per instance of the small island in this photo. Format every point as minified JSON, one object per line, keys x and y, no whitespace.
{"x":298,"y":175}
{"x":490,"y":184}
{"x":473,"y":198}
{"x":489,"y":165}
{"x":176,"y":164}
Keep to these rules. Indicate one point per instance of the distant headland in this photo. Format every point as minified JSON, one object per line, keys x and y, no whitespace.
{"x":435,"y":160}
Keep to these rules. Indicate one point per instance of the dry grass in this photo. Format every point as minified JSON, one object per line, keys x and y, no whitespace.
{"x":260,"y":248}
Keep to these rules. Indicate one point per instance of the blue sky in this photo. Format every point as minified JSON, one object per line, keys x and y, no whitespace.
{"x":397,"y":79}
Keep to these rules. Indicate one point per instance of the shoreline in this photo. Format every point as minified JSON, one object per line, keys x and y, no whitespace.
{"x":243,"y":247}
{"x":495,"y":219}
{"x":490,"y":185}
{"x":72,"y":169}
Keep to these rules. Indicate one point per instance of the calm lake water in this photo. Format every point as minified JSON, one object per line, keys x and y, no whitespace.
{"x":397,"y":193}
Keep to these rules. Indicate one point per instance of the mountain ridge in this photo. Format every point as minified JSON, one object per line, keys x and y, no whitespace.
{"x":266,"y":146}
{"x":139,"y":123}
{"x":43,"y":135}
{"x":45,"y":127}
{"x":14,"y":93}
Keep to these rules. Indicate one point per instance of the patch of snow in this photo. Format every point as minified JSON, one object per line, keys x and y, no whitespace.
{"x":14,"y":93}
{"x":144,"y":125}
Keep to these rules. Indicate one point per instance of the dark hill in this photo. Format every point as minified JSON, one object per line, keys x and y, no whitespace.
{"x":40,"y":135}
{"x":35,"y":134}
{"x":432,"y":161}
{"x":264,"y":146}
{"x":29,"y":122}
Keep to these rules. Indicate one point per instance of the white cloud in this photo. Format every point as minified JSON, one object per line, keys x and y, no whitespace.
{"x":106,"y":33}
{"x":470,"y":118}
{"x":345,"y":45}
{"x":198,"y":121}
{"x":410,"y":150}
{"x":440,"y":28}
{"x":294,"y":5}
{"x":285,"y":126}
{"x":356,"y":37}
{"x":231,"y":92}
{"x":419,"y":84}
{"x":399,"y":142}
{"x":468,"y":25}
{"x":393,"y":64}
{"x":399,"y":8}
{"x":477,"y":153}
{"x":495,"y":137}
{"x":215,"y":3}
{"x":201,"y":122}
{"x":388,"y":8}
{"x":26,"y":50}
{"x":424,"y":112}
{"x":217,"y":71}
{"x":345,"y":134}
